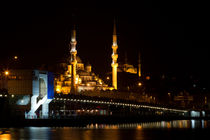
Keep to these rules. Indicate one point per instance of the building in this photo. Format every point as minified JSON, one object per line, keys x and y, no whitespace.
{"x":86,"y":80}
{"x":78,"y":76}
{"x":129,"y":68}
{"x":31,"y":90}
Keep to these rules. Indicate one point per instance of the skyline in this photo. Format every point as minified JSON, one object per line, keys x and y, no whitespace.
{"x":164,"y":37}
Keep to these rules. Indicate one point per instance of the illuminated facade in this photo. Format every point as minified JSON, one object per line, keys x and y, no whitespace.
{"x":32,"y":90}
{"x":85,"y":80}
{"x":78,"y":77}
{"x":127,"y":68}
{"x":42,"y":93}
{"x":114,"y":58}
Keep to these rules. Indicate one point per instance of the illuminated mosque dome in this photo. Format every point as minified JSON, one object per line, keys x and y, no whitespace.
{"x":78,"y":77}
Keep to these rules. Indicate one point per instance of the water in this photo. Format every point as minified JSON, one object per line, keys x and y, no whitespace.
{"x":178,"y":129}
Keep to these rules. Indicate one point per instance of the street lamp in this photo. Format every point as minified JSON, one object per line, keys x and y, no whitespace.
{"x":15,"y":57}
{"x":169,"y":94}
{"x":139,"y":84}
{"x":6,"y":72}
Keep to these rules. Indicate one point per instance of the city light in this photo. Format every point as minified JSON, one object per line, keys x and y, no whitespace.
{"x":76,"y":81}
{"x":6,"y":72}
{"x":100,"y":81}
{"x":139,"y":127}
{"x":148,"y":77}
{"x":58,"y":90}
{"x":15,"y":57}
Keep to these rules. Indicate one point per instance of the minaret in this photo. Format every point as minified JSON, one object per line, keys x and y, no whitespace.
{"x":73,"y":61}
{"x":139,"y":65}
{"x":114,"y":58}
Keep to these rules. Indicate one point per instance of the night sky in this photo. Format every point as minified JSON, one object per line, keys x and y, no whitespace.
{"x":169,"y":35}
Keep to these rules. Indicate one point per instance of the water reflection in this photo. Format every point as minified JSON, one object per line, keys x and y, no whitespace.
{"x":5,"y":137}
{"x":136,"y":131}
{"x":43,"y":132}
{"x":162,"y":124}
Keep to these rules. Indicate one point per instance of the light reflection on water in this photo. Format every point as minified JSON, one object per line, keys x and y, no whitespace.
{"x":141,"y":131}
{"x":5,"y":137}
{"x":152,"y":125}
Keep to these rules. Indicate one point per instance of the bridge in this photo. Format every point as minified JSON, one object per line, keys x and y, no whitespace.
{"x":68,"y":105}
{"x":131,"y":105}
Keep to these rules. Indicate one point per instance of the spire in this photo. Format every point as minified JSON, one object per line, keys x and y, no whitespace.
{"x":114,"y":33}
{"x":73,"y":52}
{"x":73,"y":41}
{"x":73,"y":34}
{"x":114,"y":57}
{"x":139,"y":65}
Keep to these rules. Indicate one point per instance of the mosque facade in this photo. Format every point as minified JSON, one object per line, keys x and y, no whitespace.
{"x":78,"y":77}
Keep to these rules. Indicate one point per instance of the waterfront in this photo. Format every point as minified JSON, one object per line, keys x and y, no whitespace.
{"x":177,"y":129}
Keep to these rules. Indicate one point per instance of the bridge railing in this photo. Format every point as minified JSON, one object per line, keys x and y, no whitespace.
{"x":106,"y":101}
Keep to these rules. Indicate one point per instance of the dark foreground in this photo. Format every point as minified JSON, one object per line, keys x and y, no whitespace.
{"x":172,"y":130}
{"x":85,"y":120}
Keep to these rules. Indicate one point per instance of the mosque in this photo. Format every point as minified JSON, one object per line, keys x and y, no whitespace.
{"x":79,"y":77}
